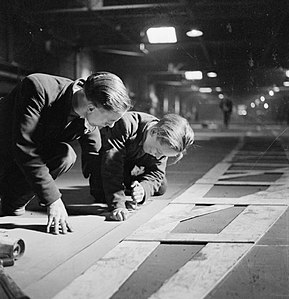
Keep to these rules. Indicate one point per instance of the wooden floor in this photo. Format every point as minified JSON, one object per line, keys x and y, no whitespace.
{"x":221,"y":231}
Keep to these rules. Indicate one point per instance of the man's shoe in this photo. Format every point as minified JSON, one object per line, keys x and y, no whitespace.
{"x":98,"y":196}
{"x":15,"y":208}
{"x":10,"y":212}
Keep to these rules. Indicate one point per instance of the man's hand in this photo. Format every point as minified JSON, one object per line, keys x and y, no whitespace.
{"x":57,"y":215}
{"x":137,"y":192}
{"x":119,"y":214}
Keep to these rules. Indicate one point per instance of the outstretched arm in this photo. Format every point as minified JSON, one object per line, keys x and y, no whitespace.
{"x":27,"y":129}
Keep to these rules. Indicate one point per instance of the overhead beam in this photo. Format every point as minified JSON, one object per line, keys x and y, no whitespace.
{"x":187,"y":45}
{"x":110,"y":8}
{"x":122,"y":52}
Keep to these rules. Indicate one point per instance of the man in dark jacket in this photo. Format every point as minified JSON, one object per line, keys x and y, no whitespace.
{"x":133,"y":158}
{"x":37,"y":120}
{"x":226,"y":106}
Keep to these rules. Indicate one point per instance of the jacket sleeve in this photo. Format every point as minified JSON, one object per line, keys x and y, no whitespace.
{"x":29,"y":105}
{"x":90,"y":146}
{"x":153,"y":176}
{"x":90,"y":143}
{"x":112,"y":169}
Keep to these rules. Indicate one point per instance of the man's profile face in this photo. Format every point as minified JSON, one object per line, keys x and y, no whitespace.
{"x":101,"y":117}
{"x":154,"y":147}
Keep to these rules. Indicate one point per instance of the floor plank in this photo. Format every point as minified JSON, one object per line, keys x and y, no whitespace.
{"x":209,"y":224}
{"x":75,"y":264}
{"x":279,"y":233}
{"x":169,"y":218}
{"x":112,"y":270}
{"x":162,"y":264}
{"x":248,"y":227}
{"x":200,"y":275}
{"x":262,"y":273}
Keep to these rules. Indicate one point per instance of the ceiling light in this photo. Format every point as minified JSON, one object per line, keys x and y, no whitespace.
{"x":287,"y":73}
{"x":276,"y":88}
{"x":194,"y":75}
{"x":205,"y":89}
{"x":257,"y":102}
{"x":218,"y":89}
{"x":271,"y":93}
{"x":242,"y":110}
{"x":194,"y":33}
{"x":221,"y":96}
{"x":157,"y":35}
{"x":212,"y":74}
{"x":286,"y":83}
{"x":194,"y":87}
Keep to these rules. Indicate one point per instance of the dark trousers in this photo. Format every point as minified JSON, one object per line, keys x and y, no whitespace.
{"x":14,"y":188}
{"x":227,"y":116}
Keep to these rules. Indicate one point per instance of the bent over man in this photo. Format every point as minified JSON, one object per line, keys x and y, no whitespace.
{"x":37,"y":120}
{"x":133,"y":158}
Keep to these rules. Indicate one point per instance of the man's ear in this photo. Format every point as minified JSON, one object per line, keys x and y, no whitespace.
{"x":90,"y":107}
{"x":77,"y":86}
{"x":153,"y":131}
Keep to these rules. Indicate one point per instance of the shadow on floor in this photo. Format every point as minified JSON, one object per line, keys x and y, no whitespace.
{"x":35,"y":227}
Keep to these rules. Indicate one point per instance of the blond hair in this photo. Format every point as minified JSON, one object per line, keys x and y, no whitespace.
{"x":176,"y":132}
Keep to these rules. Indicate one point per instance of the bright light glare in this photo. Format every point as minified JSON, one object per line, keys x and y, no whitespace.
{"x":286,"y":83}
{"x":266,"y":106}
{"x":194,"y":33}
{"x":157,"y":35}
{"x":287,"y":73}
{"x":85,"y":72}
{"x":194,"y":75}
{"x":221,"y":96}
{"x":253,"y":105}
{"x":242,"y":109}
{"x":262,"y":99}
{"x":205,"y":89}
{"x":242,"y":112}
{"x":271,"y":93}
{"x":276,"y":88}
{"x":218,"y":89}
{"x":212,"y":74}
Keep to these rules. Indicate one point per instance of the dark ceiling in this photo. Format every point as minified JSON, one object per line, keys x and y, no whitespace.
{"x":245,"y":41}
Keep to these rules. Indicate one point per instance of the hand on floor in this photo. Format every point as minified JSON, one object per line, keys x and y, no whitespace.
{"x":137,"y":192}
{"x":119,"y":214}
{"x":57,"y":216}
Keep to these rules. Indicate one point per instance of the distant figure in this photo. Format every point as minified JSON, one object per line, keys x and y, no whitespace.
{"x":226,"y":105}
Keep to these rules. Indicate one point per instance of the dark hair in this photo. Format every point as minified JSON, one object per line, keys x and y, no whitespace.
{"x":175,"y":131}
{"x":108,"y":91}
